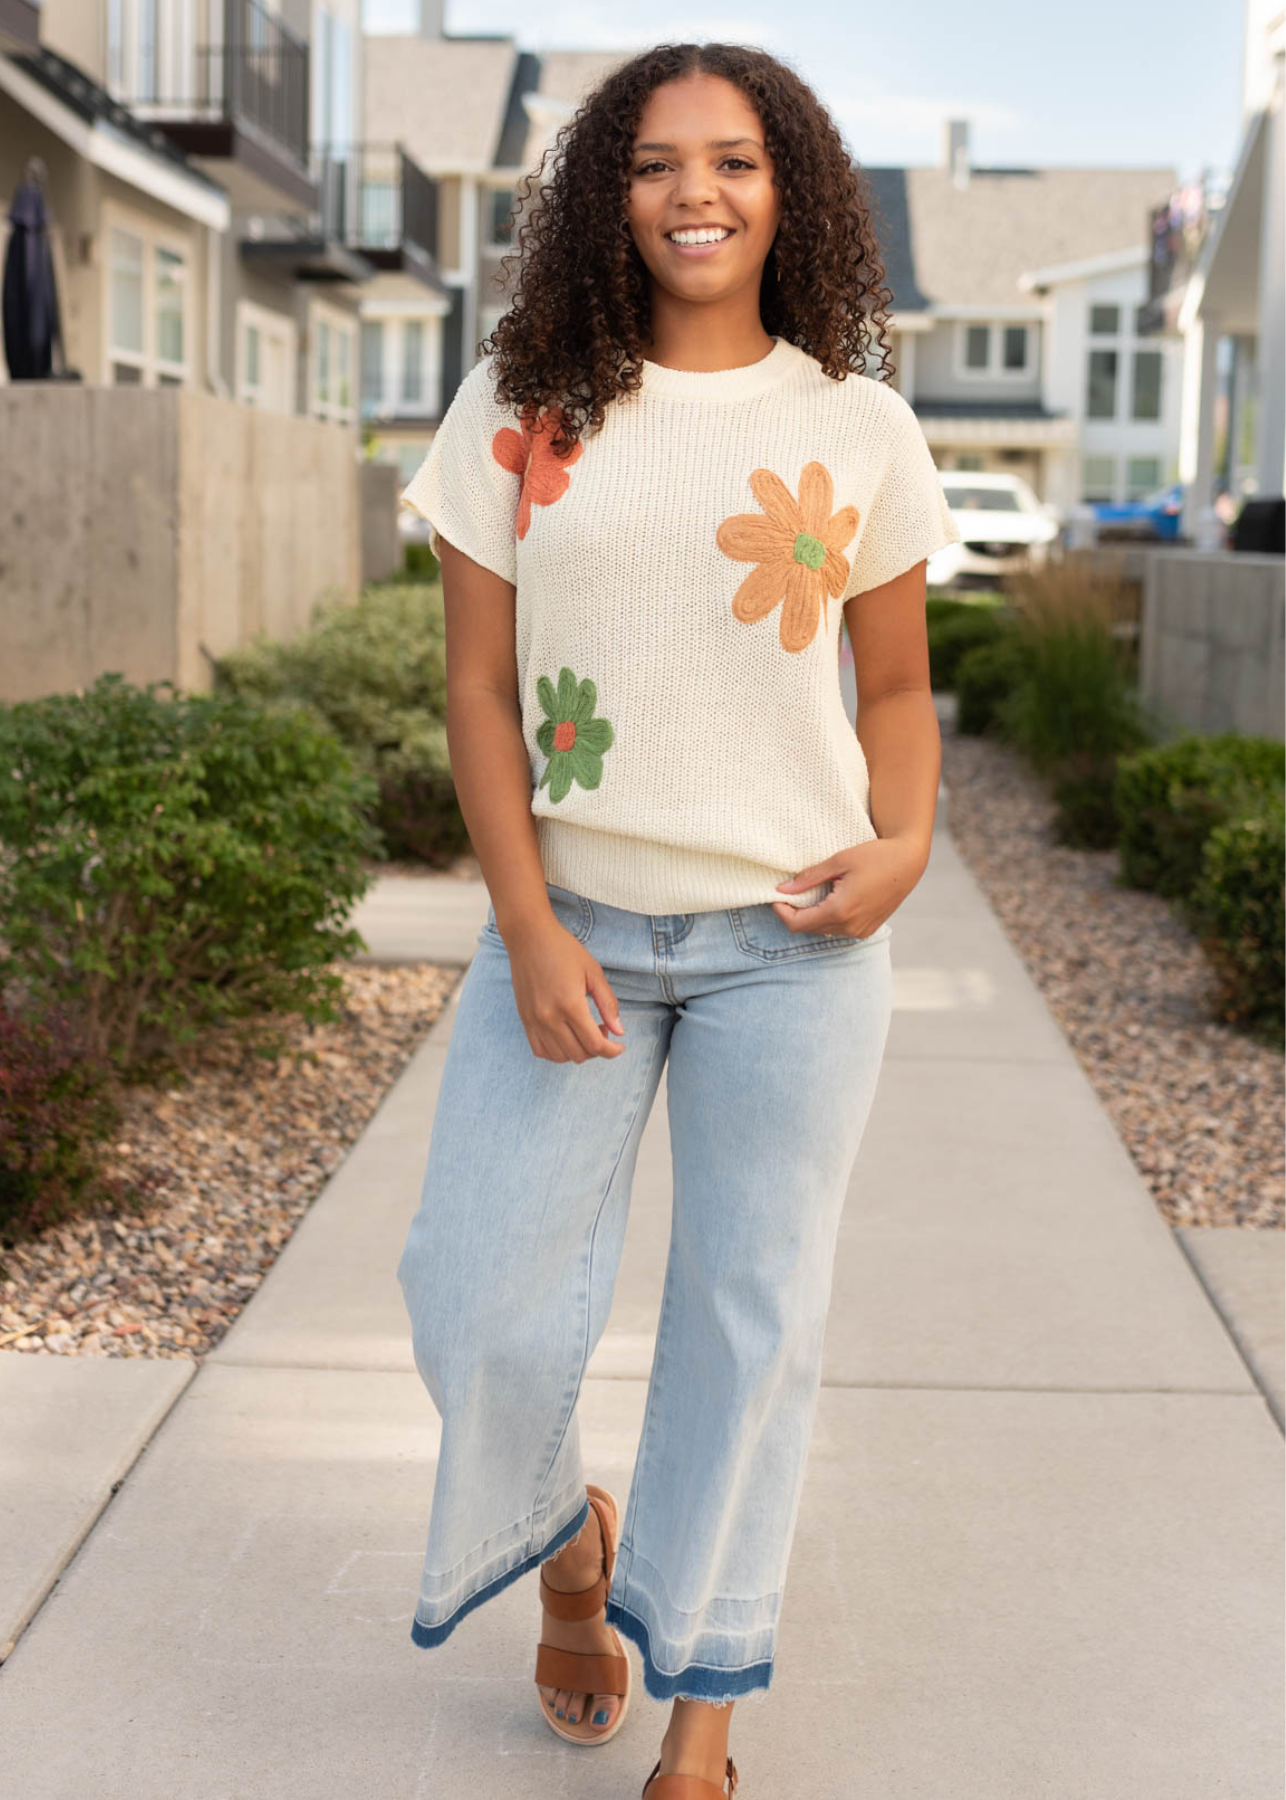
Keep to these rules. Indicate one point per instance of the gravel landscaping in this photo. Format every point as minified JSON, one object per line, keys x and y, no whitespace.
{"x":230,"y":1161}
{"x":1197,"y":1104}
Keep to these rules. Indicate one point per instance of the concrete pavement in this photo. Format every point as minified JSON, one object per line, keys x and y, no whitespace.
{"x":1039,"y":1551}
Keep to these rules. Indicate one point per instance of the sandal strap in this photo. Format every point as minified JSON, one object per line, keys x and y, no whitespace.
{"x":582,"y":1671}
{"x":582,"y":1604}
{"x":687,"y":1787}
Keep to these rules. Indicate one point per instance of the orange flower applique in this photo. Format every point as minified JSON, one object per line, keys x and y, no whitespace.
{"x":797,"y":546}
{"x":529,"y":454}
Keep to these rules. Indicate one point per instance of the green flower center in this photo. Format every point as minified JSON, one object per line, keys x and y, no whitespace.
{"x":809,"y":550}
{"x":564,"y":735}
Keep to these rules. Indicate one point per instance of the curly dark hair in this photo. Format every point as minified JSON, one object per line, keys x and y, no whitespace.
{"x":573,"y":333}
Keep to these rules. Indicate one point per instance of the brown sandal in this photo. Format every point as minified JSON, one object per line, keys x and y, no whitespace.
{"x":688,"y":1787}
{"x":585,"y":1671}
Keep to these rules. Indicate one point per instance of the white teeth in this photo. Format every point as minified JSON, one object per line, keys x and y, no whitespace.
{"x":709,"y":235}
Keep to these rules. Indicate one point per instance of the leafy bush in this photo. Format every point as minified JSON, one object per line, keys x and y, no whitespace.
{"x":1171,"y":797}
{"x":1238,"y":908}
{"x":175,"y":860}
{"x":1076,"y":710}
{"x":421,"y":564}
{"x":56,"y":1107}
{"x":985,"y":677}
{"x":376,"y":673}
{"x":952,"y":635}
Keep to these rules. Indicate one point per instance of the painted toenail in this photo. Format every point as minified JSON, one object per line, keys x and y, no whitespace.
{"x":561,"y":1713}
{"x":600,"y":1718}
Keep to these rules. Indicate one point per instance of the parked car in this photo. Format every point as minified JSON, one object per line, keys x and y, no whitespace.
{"x":1003,"y":528}
{"x":1156,"y":517}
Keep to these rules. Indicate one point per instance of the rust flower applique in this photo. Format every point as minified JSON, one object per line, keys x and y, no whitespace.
{"x":529,"y":455}
{"x":797,"y":546}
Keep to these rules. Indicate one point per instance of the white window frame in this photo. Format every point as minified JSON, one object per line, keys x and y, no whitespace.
{"x":395,"y":316}
{"x":338,"y":325}
{"x":270,"y":325}
{"x":151,"y":366}
{"x":995,"y":329}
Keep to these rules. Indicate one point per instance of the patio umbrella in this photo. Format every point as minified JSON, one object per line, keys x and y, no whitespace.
{"x":28,"y":296}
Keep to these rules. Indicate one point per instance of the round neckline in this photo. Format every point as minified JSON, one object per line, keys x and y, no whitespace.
{"x":723,"y":384}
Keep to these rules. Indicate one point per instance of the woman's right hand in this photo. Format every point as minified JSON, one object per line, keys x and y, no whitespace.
{"x":552,"y":975}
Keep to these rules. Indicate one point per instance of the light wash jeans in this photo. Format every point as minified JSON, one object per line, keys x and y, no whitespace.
{"x":775,"y":1041}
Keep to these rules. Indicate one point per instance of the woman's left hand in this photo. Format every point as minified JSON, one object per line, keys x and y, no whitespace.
{"x":870,"y":882}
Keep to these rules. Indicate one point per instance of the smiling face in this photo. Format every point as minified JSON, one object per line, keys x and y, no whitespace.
{"x":701,"y":170}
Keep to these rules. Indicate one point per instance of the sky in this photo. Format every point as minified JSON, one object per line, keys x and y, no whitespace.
{"x":1101,"y":83}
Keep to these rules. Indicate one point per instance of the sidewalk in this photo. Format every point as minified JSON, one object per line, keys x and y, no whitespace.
{"x":1039,"y":1550}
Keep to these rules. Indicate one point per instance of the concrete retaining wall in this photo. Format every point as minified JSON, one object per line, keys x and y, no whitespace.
{"x":381,"y":540}
{"x":1211,"y":654}
{"x":147,"y":530}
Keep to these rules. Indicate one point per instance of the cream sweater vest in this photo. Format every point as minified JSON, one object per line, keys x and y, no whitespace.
{"x":679,"y":583}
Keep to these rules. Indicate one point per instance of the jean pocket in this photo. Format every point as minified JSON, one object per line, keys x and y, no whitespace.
{"x":575,"y":911}
{"x":761,"y":934}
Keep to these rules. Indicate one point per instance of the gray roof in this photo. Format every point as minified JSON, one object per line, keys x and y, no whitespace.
{"x":945,"y":245}
{"x":444,"y":98}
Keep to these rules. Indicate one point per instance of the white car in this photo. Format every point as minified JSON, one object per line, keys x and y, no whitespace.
{"x":1003,"y":527}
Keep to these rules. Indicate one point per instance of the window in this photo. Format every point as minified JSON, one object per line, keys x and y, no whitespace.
{"x":1015,"y":356}
{"x":126,"y":278}
{"x":372,"y":367}
{"x":980,"y":499}
{"x":413,"y":362}
{"x":1098,"y":478}
{"x":147,"y":309}
{"x":265,"y":358}
{"x":145,"y":25}
{"x":996,"y":350}
{"x":169,"y":276}
{"x":343,"y":374}
{"x":1100,"y":402}
{"x":1145,"y":399}
{"x":1105,"y":321}
{"x":378,"y":210}
{"x":499,"y":231}
{"x":1142,"y":476}
{"x":334,"y":346}
{"x":116,"y":45}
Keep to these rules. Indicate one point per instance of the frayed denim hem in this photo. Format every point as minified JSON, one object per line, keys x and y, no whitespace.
{"x":699,"y":1681}
{"x":427,"y":1636}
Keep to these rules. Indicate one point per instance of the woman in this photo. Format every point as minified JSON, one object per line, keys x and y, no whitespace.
{"x":651,"y":500}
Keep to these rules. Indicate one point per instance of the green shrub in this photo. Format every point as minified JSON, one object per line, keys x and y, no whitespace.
{"x":953,"y":635}
{"x":173,"y":861}
{"x":1238,"y":908}
{"x":56,"y":1108}
{"x":1170,"y":798}
{"x":376,"y":673}
{"x":985,"y":677}
{"x":1077,"y":709}
{"x":420,"y":563}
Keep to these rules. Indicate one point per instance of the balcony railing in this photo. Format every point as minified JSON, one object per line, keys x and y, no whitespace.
{"x":253,"y":74}
{"x":376,"y":199}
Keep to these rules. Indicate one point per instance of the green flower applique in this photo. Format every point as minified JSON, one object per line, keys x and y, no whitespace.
{"x":569,"y":734}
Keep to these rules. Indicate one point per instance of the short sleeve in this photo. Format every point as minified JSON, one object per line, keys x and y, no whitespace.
{"x":908,"y":517}
{"x":461,"y":488}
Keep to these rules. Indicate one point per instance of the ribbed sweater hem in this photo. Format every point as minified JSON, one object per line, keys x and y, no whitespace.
{"x":642,"y":875}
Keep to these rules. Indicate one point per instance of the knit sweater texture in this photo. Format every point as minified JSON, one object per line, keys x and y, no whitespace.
{"x":679,"y":580}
